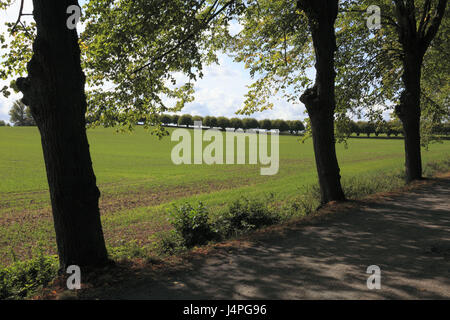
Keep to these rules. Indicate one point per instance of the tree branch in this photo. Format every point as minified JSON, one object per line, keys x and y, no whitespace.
{"x":189,"y":36}
{"x":434,"y":25}
{"x":18,"y":18}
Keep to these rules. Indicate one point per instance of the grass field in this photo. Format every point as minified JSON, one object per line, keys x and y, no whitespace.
{"x":138,"y":182}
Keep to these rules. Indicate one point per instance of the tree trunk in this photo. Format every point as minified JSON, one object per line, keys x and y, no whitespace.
{"x":408,"y":111}
{"x":54,"y":90}
{"x":415,"y":37}
{"x":320,"y":100}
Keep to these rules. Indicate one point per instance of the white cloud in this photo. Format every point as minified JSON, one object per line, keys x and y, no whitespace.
{"x":222,"y":91}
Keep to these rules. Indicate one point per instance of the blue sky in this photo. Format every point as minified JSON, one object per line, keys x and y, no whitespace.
{"x":220,"y":92}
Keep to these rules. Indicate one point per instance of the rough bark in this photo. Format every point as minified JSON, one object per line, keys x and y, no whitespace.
{"x":54,"y":90}
{"x":320,"y":100}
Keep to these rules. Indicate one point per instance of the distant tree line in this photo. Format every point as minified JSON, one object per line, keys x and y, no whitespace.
{"x":442,"y":129}
{"x":2,"y":123}
{"x":292,"y":126}
{"x":389,"y":128}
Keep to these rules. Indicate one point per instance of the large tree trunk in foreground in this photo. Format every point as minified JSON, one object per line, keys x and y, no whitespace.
{"x":54,"y":90}
{"x":320,"y":100}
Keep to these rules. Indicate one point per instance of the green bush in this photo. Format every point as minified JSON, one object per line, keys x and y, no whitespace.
{"x":304,"y":204}
{"x":21,"y":279}
{"x":245,"y":215}
{"x":192,"y":224}
{"x":169,"y":243}
{"x":128,"y":250}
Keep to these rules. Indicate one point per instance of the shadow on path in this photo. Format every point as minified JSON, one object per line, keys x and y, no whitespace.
{"x":407,"y":236}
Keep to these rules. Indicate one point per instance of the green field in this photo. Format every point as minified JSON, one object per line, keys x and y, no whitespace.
{"x":138,"y":182}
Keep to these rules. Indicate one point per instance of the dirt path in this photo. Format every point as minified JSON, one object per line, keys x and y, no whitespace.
{"x":407,"y":235}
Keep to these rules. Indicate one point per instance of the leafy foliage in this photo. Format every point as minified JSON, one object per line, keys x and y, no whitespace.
{"x":21,"y":279}
{"x":244,"y":215}
{"x":138,"y":48}
{"x":274,"y":45}
{"x":370,"y":63}
{"x":191,"y":223}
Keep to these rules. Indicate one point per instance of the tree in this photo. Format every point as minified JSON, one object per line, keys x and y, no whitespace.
{"x":265,"y":124}
{"x":236,"y":123}
{"x":21,"y":115}
{"x":275,"y":45}
{"x":223,"y":122}
{"x":54,"y":91}
{"x":165,"y":119}
{"x":354,"y":128}
{"x":415,"y":37}
{"x":367,"y":128}
{"x":283,"y":126}
{"x":319,"y":100}
{"x":250,"y":123}
{"x":197,"y":118}
{"x":388,"y":65}
{"x":163,"y":38}
{"x":2,"y":123}
{"x":296,"y":126}
{"x":175,"y":119}
{"x":210,"y":121}
{"x":185,"y":120}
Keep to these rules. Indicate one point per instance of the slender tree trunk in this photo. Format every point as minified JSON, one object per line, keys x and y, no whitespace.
{"x":415,"y":37}
{"x":320,"y":100}
{"x":408,"y":110}
{"x":54,"y":90}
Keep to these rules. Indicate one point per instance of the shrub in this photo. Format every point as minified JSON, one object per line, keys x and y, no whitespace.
{"x":245,"y":215}
{"x":23,"y":278}
{"x":192,"y":224}
{"x":304,"y":204}
{"x":169,"y":243}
